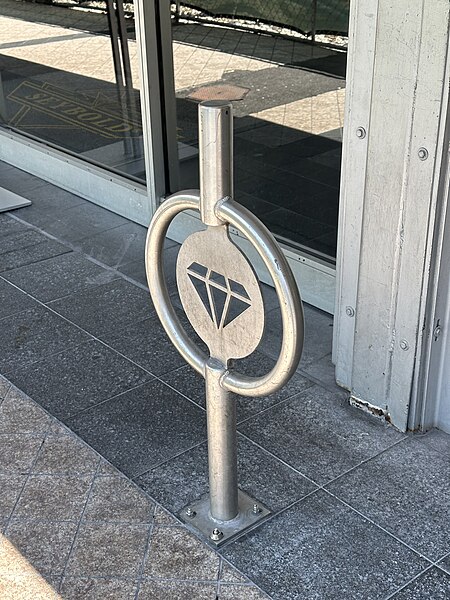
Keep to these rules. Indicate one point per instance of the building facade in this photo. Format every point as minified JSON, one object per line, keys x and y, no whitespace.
{"x":103,"y":103}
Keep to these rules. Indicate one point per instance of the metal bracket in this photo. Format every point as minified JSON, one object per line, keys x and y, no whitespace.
{"x":197,"y":516}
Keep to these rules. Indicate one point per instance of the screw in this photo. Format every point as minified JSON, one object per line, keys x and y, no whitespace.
{"x":216,"y":535}
{"x":361,"y":133}
{"x":349,"y":311}
{"x":437,"y":332}
{"x":422,"y":153}
{"x":404,"y":345}
{"x":190,"y":513}
{"x":256,"y":509}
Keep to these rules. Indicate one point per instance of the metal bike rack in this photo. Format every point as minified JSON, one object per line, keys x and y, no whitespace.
{"x":221,"y":296}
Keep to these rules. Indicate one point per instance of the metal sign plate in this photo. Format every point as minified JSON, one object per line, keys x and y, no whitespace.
{"x":220,"y":294}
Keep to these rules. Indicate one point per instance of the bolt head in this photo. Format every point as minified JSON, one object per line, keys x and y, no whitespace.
{"x":404,"y":345}
{"x":256,"y":509}
{"x":190,"y":513}
{"x":349,"y":311}
{"x":361,"y":133}
{"x":422,"y":153}
{"x":216,"y":535}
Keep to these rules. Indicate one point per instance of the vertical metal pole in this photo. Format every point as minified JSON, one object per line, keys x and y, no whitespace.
{"x":216,"y":183}
{"x":216,"y":156}
{"x":314,"y":21}
{"x":222,"y":445}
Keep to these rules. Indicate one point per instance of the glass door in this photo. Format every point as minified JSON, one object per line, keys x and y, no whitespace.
{"x":69,"y":77}
{"x":283,"y":67}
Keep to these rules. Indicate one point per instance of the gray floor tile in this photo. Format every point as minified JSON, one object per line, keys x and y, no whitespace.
{"x":135,"y":270}
{"x":117,"y":499}
{"x":74,"y":588}
{"x":75,"y":222}
{"x":53,"y":498}
{"x":59,"y":276}
{"x":320,"y":548}
{"x":106,"y":550}
{"x":12,"y":300}
{"x":65,"y":455}
{"x":31,"y":253}
{"x":146,"y":343}
{"x":437,"y":440}
{"x":18,"y":452}
{"x":181,"y":590}
{"x":445,"y":563}
{"x":191,"y":384}
{"x":318,"y":433}
{"x":106,"y":308}
{"x":5,"y":386}
{"x":382,"y":490}
{"x":19,"y":414}
{"x":175,"y":553}
{"x":185,"y":478}
{"x":323,"y":370}
{"x":10,"y":226}
{"x":116,"y":246}
{"x":434,"y":584}
{"x":10,"y":489}
{"x":20,"y":240}
{"x":241,"y":592}
{"x":34,"y":334}
{"x":142,"y":427}
{"x":45,"y":545}
{"x":71,"y":381}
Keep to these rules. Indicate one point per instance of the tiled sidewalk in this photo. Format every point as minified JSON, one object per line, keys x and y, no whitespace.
{"x":73,"y":527}
{"x":359,"y":510}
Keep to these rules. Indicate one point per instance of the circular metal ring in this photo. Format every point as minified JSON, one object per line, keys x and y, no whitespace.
{"x":275,"y":261}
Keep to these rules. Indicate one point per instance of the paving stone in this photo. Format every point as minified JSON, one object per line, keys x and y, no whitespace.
{"x":33,"y":334}
{"x":181,"y":590}
{"x":106,"y":308}
{"x":4,"y":387}
{"x":191,"y":384}
{"x":437,"y":440}
{"x":162,"y":517}
{"x":71,"y":381}
{"x":12,"y":300}
{"x":18,"y":451}
{"x":74,"y":588}
{"x":26,"y":587}
{"x":22,"y":239}
{"x":31,"y":254}
{"x":10,"y":489}
{"x":116,"y":246}
{"x":106,"y":550}
{"x":19,"y":414}
{"x":185,"y":478}
{"x":146,"y":343}
{"x":318,"y":433}
{"x":434,"y":584}
{"x":59,"y":276}
{"x":321,"y":548}
{"x":10,"y":226}
{"x":241,"y":592}
{"x":53,"y":498}
{"x":45,"y":545}
{"x":76,"y":222}
{"x":229,"y":574}
{"x":176,"y":554}
{"x":117,"y":499}
{"x":382,"y":490}
{"x":445,"y":564}
{"x":142,"y":427}
{"x":65,"y":455}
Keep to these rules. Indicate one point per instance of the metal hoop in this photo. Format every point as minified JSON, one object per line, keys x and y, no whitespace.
{"x":264,"y":243}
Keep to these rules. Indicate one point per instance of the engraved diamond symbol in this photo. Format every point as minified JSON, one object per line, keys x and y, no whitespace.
{"x":223,"y":298}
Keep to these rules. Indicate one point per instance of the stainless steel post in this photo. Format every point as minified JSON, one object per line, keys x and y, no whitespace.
{"x":222,"y":444}
{"x":216,"y":183}
{"x":216,"y":157}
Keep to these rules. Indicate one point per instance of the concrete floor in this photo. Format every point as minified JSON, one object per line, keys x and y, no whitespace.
{"x":359,"y":510}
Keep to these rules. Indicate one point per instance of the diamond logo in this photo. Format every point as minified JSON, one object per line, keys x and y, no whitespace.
{"x":223,"y":298}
